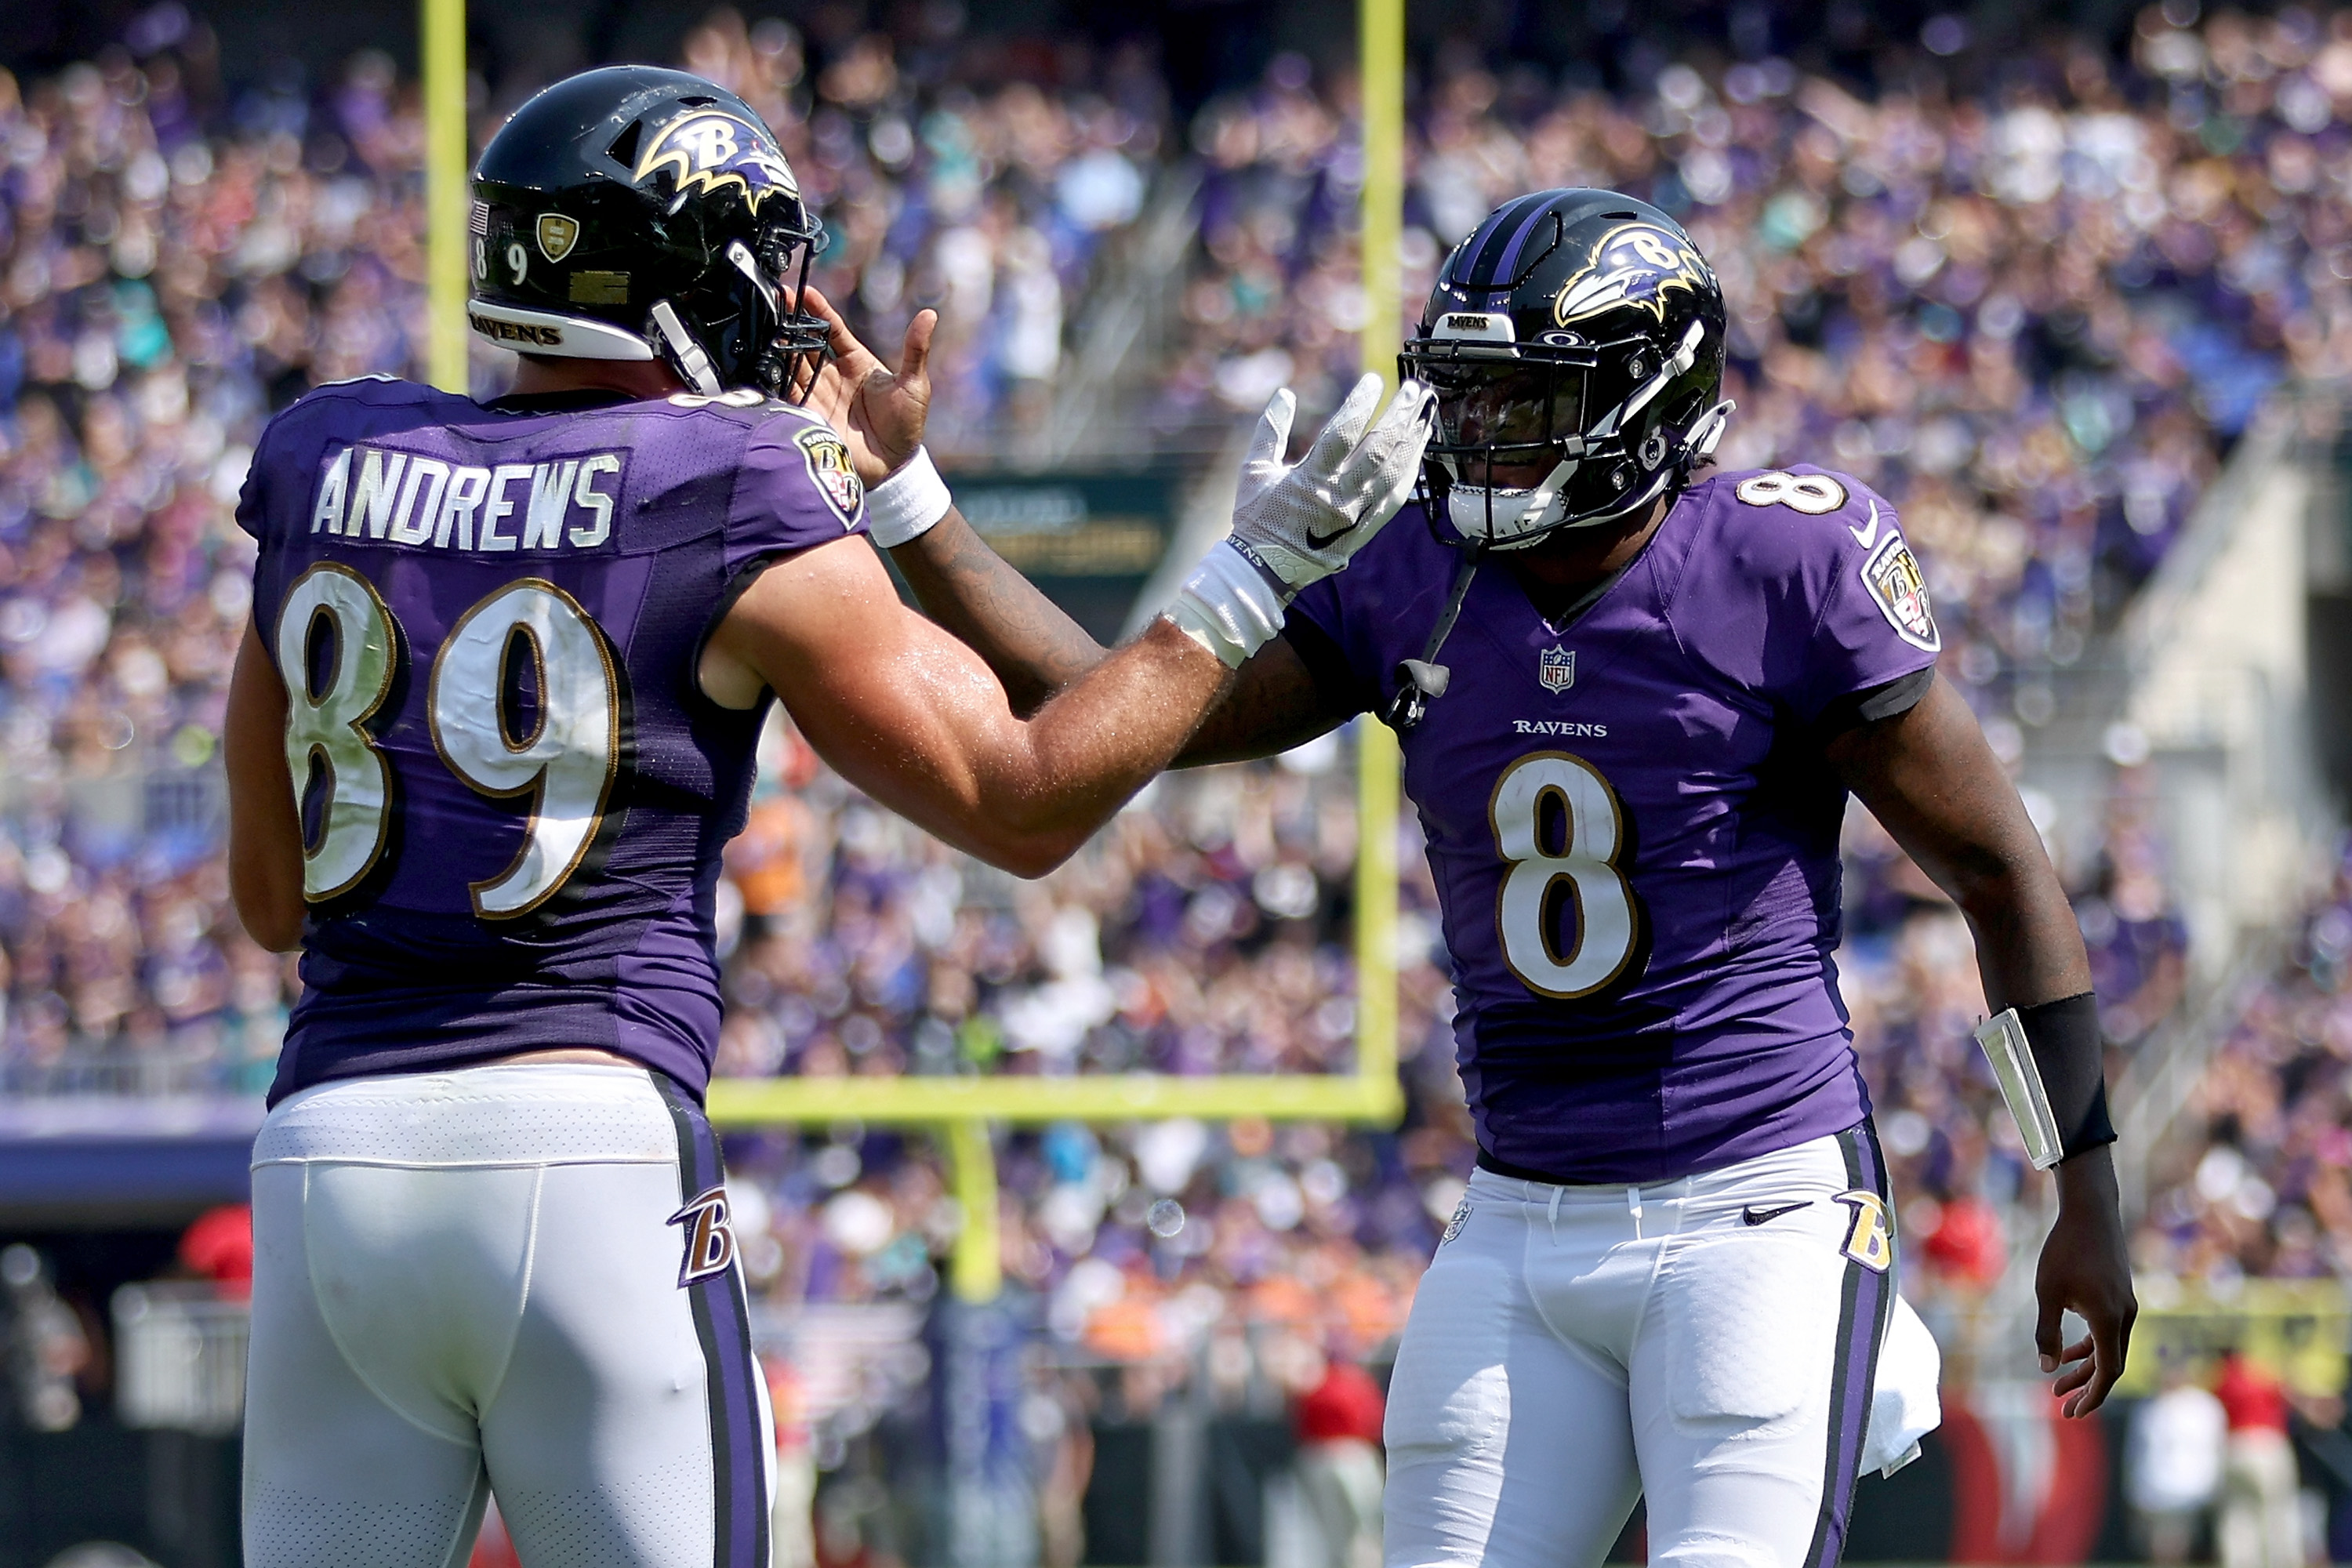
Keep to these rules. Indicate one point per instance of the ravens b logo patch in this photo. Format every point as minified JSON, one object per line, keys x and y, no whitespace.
{"x":709,"y":1239}
{"x":830,"y":467}
{"x":1899,"y":589}
{"x":1870,"y":1237}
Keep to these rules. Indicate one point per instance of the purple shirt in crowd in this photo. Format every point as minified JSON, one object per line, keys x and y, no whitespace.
{"x":1631,"y":822}
{"x":514,"y":793}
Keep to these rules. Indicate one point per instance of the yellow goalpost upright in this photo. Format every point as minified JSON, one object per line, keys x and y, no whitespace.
{"x":964,"y":1108}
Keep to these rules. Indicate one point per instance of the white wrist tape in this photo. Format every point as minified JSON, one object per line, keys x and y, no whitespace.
{"x":1227,"y":605}
{"x":906,"y":504}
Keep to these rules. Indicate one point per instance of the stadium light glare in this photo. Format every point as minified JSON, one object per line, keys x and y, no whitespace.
{"x":964,"y":1108}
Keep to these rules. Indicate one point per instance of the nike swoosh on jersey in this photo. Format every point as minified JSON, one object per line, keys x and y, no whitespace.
{"x":1754,"y":1215}
{"x":1866,"y":537}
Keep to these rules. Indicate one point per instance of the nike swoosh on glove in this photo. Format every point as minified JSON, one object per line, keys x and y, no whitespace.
{"x":1294,"y":524}
{"x":1303,"y":522}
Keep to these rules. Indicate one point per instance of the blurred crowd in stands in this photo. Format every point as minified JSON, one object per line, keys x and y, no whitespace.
{"x":2034,"y":316}
{"x":2267,"y":1190}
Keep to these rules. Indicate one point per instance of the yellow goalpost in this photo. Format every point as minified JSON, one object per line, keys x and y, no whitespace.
{"x":964,"y":1109}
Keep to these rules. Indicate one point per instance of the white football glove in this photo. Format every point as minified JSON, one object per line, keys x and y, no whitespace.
{"x":1296,"y":524}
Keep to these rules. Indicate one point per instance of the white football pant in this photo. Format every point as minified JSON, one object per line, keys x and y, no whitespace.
{"x":1710,"y":1343}
{"x":516,"y":1279}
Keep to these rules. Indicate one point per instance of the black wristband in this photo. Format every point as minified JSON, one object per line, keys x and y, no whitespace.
{"x":2068,"y":1053}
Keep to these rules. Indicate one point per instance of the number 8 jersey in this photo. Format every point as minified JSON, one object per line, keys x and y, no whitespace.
{"x":1631,"y":825}
{"x":513,"y":792}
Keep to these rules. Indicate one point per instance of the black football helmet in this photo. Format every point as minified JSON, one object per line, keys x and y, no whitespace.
{"x":632,"y":212}
{"x":1577,"y":337}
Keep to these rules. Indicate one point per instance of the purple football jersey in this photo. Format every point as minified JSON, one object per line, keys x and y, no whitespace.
{"x":513,"y":792}
{"x":1633,"y":828}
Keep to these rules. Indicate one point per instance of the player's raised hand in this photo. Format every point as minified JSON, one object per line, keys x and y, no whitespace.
{"x":1303,"y":521}
{"x":879,"y":412}
{"x":2087,"y":1268}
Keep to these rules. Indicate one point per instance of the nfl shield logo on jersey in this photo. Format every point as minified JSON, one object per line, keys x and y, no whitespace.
{"x":1556,"y":668}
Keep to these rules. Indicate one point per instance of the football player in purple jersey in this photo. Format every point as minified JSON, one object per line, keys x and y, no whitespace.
{"x":490,"y":728}
{"x":1632,"y":700}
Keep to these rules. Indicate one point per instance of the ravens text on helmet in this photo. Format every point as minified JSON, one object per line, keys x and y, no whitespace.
{"x":1637,"y":264}
{"x":709,"y":150}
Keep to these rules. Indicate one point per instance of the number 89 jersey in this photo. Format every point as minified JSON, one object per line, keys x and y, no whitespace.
{"x":1631,"y":827}
{"x":513,"y":793}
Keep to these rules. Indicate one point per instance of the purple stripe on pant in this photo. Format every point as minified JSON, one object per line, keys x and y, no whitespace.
{"x":1862,"y":1324}
{"x":723,"y":1320}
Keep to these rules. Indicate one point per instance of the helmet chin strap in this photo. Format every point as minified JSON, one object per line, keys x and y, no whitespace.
{"x":740,"y":255}
{"x":685,"y":355}
{"x":1473,"y":508}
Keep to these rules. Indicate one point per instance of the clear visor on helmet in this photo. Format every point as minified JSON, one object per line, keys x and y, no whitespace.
{"x":1505,"y":423}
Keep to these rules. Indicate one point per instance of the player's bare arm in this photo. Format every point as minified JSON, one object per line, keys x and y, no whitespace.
{"x":917,"y":717}
{"x":1035,"y":649}
{"x":1928,"y":775}
{"x":1025,"y":638}
{"x":915,"y":720}
{"x":1033,"y":646}
{"x":265,"y":835}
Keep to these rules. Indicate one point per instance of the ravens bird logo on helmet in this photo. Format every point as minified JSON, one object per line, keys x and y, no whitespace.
{"x":708,"y":149}
{"x":1637,"y":264}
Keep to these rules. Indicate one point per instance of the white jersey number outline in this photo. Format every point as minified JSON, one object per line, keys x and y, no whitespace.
{"x":326,"y":724}
{"x":1815,"y":495}
{"x":1608,"y":920}
{"x":568,"y":764}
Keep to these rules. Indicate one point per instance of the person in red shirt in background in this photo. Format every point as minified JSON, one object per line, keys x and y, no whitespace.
{"x":2261,"y":1523}
{"x":1338,"y":1423}
{"x":1965,"y":1244}
{"x":219,"y":1247}
{"x":791,"y":1522}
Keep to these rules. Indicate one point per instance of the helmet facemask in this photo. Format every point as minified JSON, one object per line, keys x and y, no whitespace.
{"x":1510,"y":424}
{"x":794,"y":342}
{"x":1531,"y":440}
{"x":745,"y":315}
